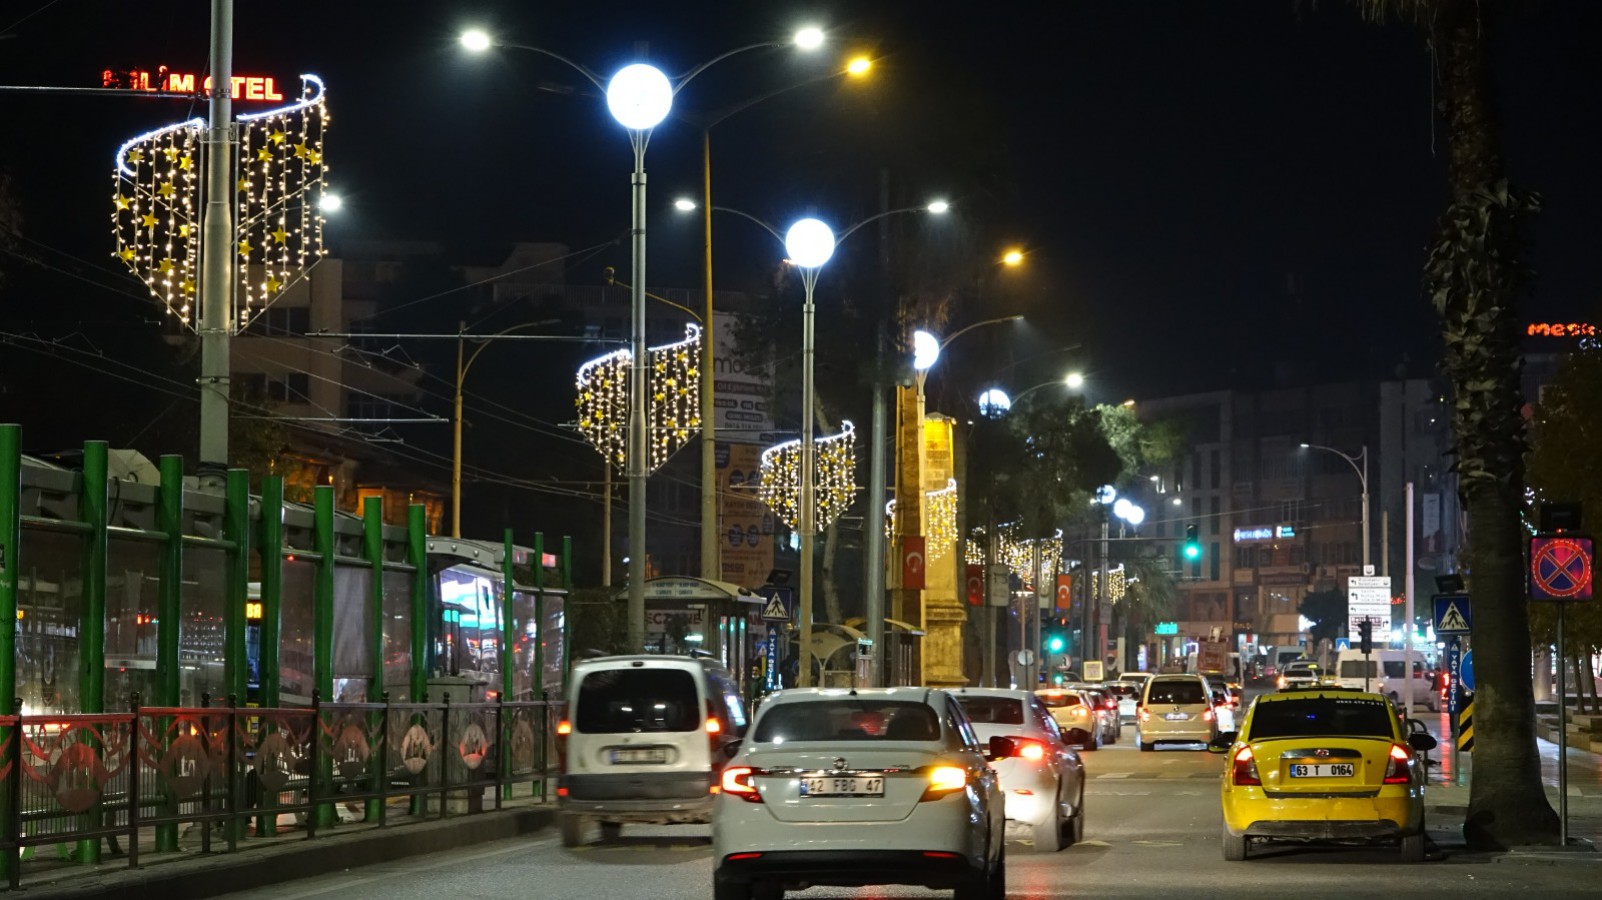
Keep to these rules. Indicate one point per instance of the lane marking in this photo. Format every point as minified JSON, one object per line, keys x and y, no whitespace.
{"x":1115,"y":775}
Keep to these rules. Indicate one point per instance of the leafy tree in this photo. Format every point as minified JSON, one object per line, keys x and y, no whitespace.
{"x":1326,"y":609}
{"x":1475,"y":272}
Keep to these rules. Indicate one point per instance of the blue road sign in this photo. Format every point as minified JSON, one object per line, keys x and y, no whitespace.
{"x":1452,"y":615}
{"x":1454,"y":669}
{"x":780,"y":605}
{"x":1343,"y":644}
{"x":1467,"y":678}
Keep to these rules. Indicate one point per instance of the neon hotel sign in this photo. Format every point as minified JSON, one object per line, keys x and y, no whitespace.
{"x":246,"y":87}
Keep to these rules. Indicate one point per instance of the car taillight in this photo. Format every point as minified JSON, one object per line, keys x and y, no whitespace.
{"x":1028,"y":749}
{"x":564,"y":728}
{"x":1398,"y":768}
{"x":713,"y":726}
{"x":1111,"y":704}
{"x":736,"y":782}
{"x":1280,"y":683}
{"x":1244,"y":771}
{"x":944,"y":780}
{"x":1143,"y":714}
{"x":1207,"y":715}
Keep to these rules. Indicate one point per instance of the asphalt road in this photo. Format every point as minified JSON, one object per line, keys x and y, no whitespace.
{"x":1151,"y":831}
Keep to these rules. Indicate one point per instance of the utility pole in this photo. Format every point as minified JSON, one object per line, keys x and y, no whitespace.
{"x":217,"y":256}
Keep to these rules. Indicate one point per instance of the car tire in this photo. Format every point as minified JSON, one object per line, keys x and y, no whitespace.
{"x":986,"y":883}
{"x":998,"y":878}
{"x":1048,"y":834}
{"x":1148,"y":746}
{"x":1413,"y":845}
{"x":1074,"y":832}
{"x":610,"y":831}
{"x":731,"y":889}
{"x":1234,"y":846}
{"x":573,"y":828}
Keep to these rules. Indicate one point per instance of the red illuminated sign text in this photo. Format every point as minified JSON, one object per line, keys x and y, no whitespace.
{"x":246,"y":87}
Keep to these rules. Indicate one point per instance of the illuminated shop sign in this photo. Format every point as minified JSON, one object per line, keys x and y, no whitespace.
{"x":1264,"y":533}
{"x":1561,"y":329}
{"x":246,"y":87}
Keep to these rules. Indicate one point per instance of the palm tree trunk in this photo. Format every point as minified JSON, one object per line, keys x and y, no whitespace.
{"x":1474,"y":275}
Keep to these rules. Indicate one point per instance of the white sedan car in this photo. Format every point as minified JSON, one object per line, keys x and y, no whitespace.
{"x":860,"y":787}
{"x":1044,"y":781}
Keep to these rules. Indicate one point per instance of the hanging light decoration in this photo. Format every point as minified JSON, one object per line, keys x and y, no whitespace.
{"x":674,"y":414}
{"x":940,"y":521}
{"x":278,"y":231}
{"x":1117,"y":583}
{"x":834,"y":479}
{"x":1018,"y":554}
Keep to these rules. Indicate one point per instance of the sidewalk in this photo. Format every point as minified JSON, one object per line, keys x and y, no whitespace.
{"x":1446,"y":801}
{"x":272,"y":861}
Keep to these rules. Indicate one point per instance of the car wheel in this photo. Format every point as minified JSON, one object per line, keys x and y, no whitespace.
{"x":731,"y":889}
{"x":573,"y":828}
{"x":1413,"y":845}
{"x":998,"y":879}
{"x":1075,"y":830}
{"x":1048,"y":834}
{"x":1148,"y":746}
{"x":611,"y":830}
{"x":1234,"y":846}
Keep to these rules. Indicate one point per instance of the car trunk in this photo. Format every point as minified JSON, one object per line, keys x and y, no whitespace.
{"x":885,"y":777}
{"x":1307,"y":767}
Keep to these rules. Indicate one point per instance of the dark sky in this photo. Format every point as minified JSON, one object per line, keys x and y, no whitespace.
{"x":1207,"y":187}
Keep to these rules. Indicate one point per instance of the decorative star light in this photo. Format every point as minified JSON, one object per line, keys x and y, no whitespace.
{"x":674,"y":414}
{"x":278,"y":232}
{"x":833,"y":478}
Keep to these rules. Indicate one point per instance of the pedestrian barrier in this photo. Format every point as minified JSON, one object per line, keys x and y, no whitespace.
{"x":1465,"y":725}
{"x":122,"y":777}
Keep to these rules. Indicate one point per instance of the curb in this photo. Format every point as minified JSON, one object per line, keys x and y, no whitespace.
{"x":198,"y":876}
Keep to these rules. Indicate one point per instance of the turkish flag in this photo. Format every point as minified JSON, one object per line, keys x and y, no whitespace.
{"x":976,"y":585}
{"x":913,"y":562}
{"x":1065,"y":591}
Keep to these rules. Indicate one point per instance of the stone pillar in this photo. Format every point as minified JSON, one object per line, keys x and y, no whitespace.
{"x":906,"y":604}
{"x":944,"y":615}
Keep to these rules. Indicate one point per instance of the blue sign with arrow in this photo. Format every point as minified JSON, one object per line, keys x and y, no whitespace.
{"x":1466,"y":676}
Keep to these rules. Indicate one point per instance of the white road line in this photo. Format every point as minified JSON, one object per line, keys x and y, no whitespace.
{"x":1115,"y":775}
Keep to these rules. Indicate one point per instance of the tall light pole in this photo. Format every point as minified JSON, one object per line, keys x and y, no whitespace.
{"x":217,"y":255}
{"x":1359,"y":464}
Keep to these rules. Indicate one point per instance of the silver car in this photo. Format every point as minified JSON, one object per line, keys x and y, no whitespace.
{"x":1044,"y":782}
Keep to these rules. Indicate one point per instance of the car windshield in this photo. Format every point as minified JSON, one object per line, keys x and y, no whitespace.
{"x":1186,"y":691}
{"x":847,"y":719}
{"x":614,"y":701}
{"x":992,"y":710}
{"x":1321,"y":716}
{"x":1060,"y":699}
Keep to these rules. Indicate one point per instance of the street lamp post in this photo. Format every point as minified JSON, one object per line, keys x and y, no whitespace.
{"x":1359,"y":464}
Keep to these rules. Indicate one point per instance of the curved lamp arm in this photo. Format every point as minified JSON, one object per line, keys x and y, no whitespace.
{"x":577,"y":67}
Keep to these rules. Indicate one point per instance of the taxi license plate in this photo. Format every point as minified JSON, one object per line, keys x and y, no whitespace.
{"x":842,"y":786}
{"x":640,"y":755}
{"x":1323,"y":770}
{"x":1176,"y":717}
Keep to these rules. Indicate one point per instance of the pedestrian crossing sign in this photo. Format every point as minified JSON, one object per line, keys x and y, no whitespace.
{"x":1452,"y":614}
{"x":775,"y":610}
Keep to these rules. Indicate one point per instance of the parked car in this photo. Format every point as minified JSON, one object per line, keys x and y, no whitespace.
{"x":1044,"y":781}
{"x":861,"y":787}
{"x":644,"y":741}
{"x":1176,"y":709}
{"x":1323,"y":764}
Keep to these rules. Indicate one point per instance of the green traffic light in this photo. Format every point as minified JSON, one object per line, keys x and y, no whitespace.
{"x":1055,"y":644}
{"x":1193,"y":551}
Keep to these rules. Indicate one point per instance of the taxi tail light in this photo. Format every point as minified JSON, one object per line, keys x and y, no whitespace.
{"x":736,"y":782}
{"x":1397,"y":767}
{"x":943,"y":780}
{"x":1143,"y":714}
{"x":1029,"y":749}
{"x":564,"y":728}
{"x":1244,"y":769}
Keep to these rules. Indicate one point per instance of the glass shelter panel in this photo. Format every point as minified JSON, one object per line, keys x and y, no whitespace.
{"x":353,"y":627}
{"x":397,"y":626}
{"x":49,"y":606}
{"x":200,"y":638}
{"x":133,"y":589}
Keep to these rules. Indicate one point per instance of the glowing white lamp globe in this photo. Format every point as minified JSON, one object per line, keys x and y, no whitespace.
{"x":639,"y":96}
{"x":994,"y":403}
{"x":809,"y":38}
{"x":1106,"y":494}
{"x":1135,"y":515}
{"x":809,"y":243}
{"x":330,"y":203}
{"x":476,"y":40}
{"x":925,"y":350}
{"x":1075,"y":381}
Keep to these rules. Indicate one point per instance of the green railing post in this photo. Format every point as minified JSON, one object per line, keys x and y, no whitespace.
{"x":271,"y":551}
{"x":92,"y":626}
{"x":417,"y":555}
{"x":236,"y":590}
{"x":323,"y":633}
{"x":373,"y":550}
{"x":539,"y":659}
{"x":169,"y":606}
{"x":508,"y":660}
{"x":10,"y":538}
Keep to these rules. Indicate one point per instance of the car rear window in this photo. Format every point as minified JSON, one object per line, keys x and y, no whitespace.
{"x":1320,"y":717}
{"x":1122,"y":690}
{"x":1185,"y":691}
{"x":613,"y":701}
{"x":1061,"y":700}
{"x":992,"y":710}
{"x":847,"y":719}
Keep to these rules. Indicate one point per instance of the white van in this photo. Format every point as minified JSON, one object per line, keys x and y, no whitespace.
{"x":644,"y":739}
{"x":1382,"y":672}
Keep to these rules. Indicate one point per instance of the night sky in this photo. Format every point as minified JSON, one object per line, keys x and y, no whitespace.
{"x":1214,"y":193}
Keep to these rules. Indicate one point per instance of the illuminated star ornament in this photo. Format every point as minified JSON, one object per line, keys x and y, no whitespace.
{"x":157,"y":199}
{"x":834,"y":477}
{"x":674,"y":408}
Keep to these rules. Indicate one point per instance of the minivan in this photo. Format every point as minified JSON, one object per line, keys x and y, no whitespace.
{"x":1383,"y":670}
{"x":644,"y":740}
{"x":1176,"y":708}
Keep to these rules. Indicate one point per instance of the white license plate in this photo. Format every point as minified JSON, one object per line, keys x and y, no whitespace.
{"x":1176,"y":717}
{"x":1324,"y":770}
{"x":640,"y":755}
{"x":842,"y":786}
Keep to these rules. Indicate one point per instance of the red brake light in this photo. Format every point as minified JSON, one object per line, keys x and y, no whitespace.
{"x":1028,"y":749}
{"x":1399,"y":768}
{"x":737,"y":783}
{"x":1207,"y":715}
{"x":564,"y":727}
{"x":1143,"y":714}
{"x":713,"y":726}
{"x":1244,"y":770}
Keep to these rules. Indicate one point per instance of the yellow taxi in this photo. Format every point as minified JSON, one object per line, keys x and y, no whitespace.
{"x":1323,"y":764}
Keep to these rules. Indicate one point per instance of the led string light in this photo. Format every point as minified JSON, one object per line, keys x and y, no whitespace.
{"x":1117,"y":583}
{"x":941,"y":520}
{"x":1018,"y":553}
{"x":674,"y":415}
{"x":156,"y":192}
{"x":834,"y":477}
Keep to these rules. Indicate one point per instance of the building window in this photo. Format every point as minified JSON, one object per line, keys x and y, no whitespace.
{"x":1212,"y":565}
{"x":1245,"y":557}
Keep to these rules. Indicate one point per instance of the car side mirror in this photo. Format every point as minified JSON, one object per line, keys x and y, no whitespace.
{"x":1222,"y":741}
{"x":732,"y":747}
{"x":1001,"y":748}
{"x":1422,"y":742}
